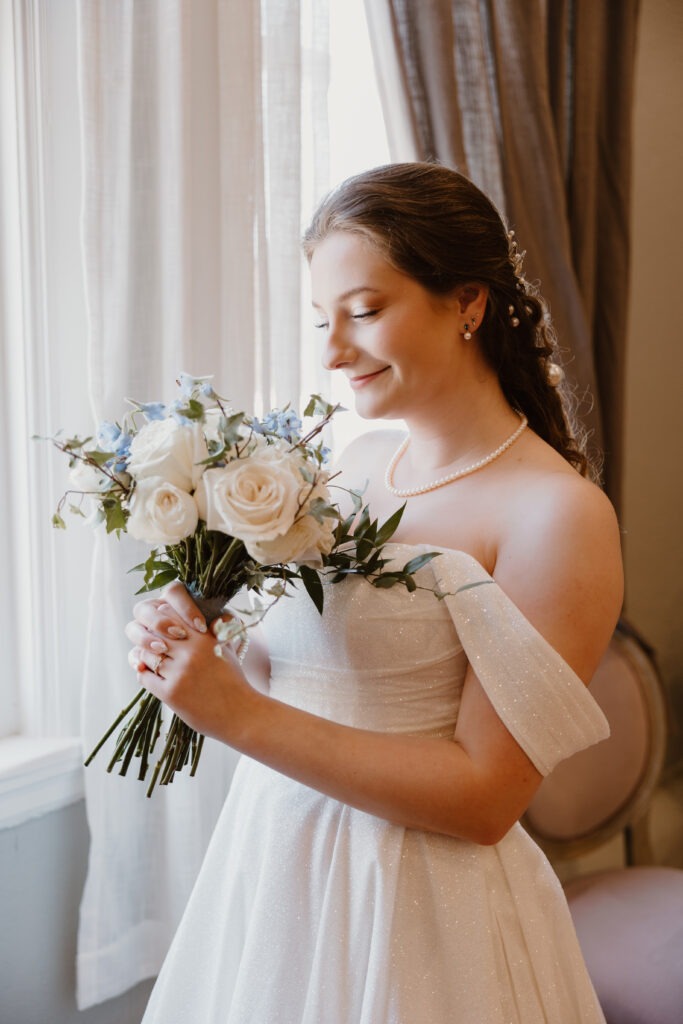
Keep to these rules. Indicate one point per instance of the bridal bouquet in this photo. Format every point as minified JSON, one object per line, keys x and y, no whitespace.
{"x":228,"y":501}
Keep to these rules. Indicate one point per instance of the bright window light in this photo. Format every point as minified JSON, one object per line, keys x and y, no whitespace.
{"x":358,"y":141}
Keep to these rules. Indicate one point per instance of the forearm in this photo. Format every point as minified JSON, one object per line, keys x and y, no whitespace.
{"x":418,"y":782}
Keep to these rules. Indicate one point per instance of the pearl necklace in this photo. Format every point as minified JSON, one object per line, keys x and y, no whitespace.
{"x":411,"y":492}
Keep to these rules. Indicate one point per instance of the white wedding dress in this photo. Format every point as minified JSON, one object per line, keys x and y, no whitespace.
{"x":307,"y":911}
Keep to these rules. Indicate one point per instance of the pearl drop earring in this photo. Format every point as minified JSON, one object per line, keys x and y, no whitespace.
{"x":467,"y":334}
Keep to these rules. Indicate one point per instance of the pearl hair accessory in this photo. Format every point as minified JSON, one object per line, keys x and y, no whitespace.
{"x":554,"y":374}
{"x":517,"y":260}
{"x":411,"y":492}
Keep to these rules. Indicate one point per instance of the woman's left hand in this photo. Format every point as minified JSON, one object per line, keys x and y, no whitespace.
{"x":178,"y":663}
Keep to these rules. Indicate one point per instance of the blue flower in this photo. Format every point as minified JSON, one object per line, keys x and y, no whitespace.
{"x":282,"y":422}
{"x":154,"y":410}
{"x":110,"y":438}
{"x":107,"y":436}
{"x":189,"y":385}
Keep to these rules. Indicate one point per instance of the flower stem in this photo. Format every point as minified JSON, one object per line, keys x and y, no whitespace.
{"x":114,"y":724}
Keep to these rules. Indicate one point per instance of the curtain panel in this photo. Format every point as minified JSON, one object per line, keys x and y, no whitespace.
{"x":192,"y":116}
{"x":533,"y":102}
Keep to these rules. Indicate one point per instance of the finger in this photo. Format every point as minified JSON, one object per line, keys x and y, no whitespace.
{"x":160,"y":618}
{"x":178,"y":597}
{"x":143,"y":637}
{"x":141,"y":660}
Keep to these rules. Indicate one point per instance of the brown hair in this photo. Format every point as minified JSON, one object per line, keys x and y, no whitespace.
{"x":432,"y":223}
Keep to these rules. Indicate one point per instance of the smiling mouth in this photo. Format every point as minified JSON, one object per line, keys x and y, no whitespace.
{"x":358,"y":382}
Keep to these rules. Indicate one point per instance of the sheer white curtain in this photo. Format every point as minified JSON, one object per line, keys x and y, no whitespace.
{"x":192,"y":117}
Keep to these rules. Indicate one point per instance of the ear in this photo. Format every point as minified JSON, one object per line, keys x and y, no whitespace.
{"x":472,"y":299}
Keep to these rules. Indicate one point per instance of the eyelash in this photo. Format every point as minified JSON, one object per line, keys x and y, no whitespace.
{"x":354,"y":316}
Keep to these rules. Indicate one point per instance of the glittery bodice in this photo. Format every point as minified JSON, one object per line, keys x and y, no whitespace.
{"x":393,"y":661}
{"x":378,"y":659}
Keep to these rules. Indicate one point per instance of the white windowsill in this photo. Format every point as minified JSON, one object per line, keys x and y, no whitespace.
{"x":38,"y":776}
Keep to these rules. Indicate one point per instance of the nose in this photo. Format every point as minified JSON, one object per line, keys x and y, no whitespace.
{"x":338,"y":350}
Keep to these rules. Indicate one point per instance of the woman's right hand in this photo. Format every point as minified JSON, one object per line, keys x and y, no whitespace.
{"x":177,"y":602}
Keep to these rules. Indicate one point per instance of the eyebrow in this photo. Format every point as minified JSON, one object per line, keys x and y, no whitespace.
{"x":350,"y":293}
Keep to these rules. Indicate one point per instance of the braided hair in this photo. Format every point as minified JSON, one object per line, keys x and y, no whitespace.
{"x":436,"y":226}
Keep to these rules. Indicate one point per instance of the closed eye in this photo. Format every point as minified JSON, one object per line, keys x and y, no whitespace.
{"x":365,"y":314}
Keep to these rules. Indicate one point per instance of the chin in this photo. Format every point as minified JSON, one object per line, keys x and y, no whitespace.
{"x":374,"y":410}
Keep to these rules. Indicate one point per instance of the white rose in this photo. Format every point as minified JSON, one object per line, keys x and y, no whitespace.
{"x":256,"y":498}
{"x":86,"y":477}
{"x":161,"y":513}
{"x":170,"y":450}
{"x":303,"y":543}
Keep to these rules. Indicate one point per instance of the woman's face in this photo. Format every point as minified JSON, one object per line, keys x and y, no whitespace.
{"x":399,"y":345}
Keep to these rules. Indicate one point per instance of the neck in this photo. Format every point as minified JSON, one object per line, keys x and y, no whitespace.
{"x":466,"y":431}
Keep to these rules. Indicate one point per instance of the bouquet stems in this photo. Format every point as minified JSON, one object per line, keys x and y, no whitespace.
{"x":139,"y":735}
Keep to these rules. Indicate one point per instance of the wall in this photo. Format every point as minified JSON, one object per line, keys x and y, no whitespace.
{"x":653,"y":493}
{"x":42,"y":863}
{"x":42,"y":871}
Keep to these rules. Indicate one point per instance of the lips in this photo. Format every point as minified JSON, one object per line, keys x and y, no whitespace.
{"x":359,"y":382}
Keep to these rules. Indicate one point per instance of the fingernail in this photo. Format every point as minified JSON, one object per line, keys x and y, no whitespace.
{"x":177,"y":632}
{"x":200,"y":625}
{"x":159,"y":646}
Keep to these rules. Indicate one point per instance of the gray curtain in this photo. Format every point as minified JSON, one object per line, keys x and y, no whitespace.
{"x":532,"y":100}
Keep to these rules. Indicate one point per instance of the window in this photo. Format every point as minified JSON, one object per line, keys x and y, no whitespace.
{"x":43,"y":316}
{"x":44,"y":370}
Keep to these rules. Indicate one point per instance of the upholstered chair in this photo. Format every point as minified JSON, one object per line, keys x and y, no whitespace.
{"x":629,"y":919}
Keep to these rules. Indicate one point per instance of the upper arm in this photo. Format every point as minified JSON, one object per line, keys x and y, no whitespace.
{"x":560,"y":564}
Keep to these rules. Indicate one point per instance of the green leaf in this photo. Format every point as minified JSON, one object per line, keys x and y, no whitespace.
{"x":416,"y":563}
{"x":321,"y":509}
{"x":193,"y":410}
{"x":76,"y":510}
{"x":363,"y":523}
{"x":314,"y":588}
{"x":215,"y":456}
{"x":388,"y":529}
{"x":114,"y":515}
{"x":386,"y":580}
{"x":158,"y":581}
{"x":230,"y":428}
{"x":375,"y":562}
{"x":97,"y":457}
{"x":363,"y":549}
{"x":318,"y":406}
{"x":58,"y":522}
{"x":357,"y":499}
{"x":74,"y":443}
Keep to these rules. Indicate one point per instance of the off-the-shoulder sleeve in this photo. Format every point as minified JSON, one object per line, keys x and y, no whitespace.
{"x":540,"y":699}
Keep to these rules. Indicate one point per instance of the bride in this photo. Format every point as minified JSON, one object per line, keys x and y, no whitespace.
{"x":369,"y":867}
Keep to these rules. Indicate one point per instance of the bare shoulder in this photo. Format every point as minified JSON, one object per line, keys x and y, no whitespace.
{"x":561,"y":507}
{"x":559,"y":558}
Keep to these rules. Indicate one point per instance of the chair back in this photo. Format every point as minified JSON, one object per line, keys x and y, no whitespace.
{"x":601,"y":791}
